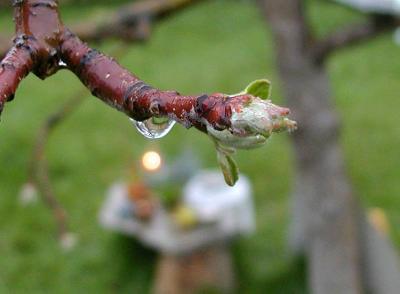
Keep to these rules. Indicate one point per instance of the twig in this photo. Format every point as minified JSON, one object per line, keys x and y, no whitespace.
{"x":131,"y":22}
{"x":353,"y":34}
{"x":38,"y":170}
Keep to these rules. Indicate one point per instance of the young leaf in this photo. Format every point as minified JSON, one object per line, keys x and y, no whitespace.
{"x":259,"y":88}
{"x":228,"y":166}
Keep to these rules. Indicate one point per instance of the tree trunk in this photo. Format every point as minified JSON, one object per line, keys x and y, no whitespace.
{"x":209,"y":269}
{"x":345,"y":253}
{"x":324,"y":213}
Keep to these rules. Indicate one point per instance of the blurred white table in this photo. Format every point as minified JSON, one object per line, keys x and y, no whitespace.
{"x":223,"y":212}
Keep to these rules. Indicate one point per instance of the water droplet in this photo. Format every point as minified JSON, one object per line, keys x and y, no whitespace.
{"x":154,"y":128}
{"x":61,"y":63}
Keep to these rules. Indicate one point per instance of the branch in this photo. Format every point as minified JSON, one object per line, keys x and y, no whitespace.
{"x":130,"y":22}
{"x":43,"y":45}
{"x":122,"y":90}
{"x":353,"y":34}
{"x":14,"y":67}
{"x":38,"y":173}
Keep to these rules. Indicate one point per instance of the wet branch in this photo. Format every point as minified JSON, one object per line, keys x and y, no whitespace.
{"x":42,"y":42}
{"x":43,"y":46}
{"x":38,"y":171}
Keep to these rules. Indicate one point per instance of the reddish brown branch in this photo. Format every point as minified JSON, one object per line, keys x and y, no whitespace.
{"x":353,"y":34}
{"x":247,"y":119}
{"x":37,"y":33}
{"x":122,"y":90}
{"x":38,"y":24}
{"x":43,"y":45}
{"x":38,"y":171}
{"x":14,"y":67}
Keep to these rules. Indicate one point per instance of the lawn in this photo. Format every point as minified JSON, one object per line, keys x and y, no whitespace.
{"x":212,"y":46}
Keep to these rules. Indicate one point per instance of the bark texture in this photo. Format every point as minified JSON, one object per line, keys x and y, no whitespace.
{"x":327,"y":224}
{"x":42,"y":45}
{"x":126,"y":23}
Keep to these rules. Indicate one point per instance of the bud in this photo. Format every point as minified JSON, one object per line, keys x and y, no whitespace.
{"x":254,"y":118}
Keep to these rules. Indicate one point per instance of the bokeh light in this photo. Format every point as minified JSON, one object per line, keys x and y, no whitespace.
{"x":151,"y":160}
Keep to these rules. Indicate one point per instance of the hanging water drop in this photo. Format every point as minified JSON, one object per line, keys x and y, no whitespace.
{"x":154,"y":128}
{"x":61,"y":63}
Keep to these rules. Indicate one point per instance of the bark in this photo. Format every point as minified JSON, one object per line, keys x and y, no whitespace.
{"x":345,"y":254}
{"x":43,"y":43}
{"x":38,"y":171}
{"x":324,"y":219}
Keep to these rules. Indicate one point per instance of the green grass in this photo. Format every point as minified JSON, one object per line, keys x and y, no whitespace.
{"x":213,"y":46}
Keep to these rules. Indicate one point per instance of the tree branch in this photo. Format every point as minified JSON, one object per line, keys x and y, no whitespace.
{"x":130,"y":22}
{"x":14,"y":67}
{"x":43,"y":46}
{"x":122,"y":90}
{"x":38,"y":172}
{"x":38,"y":27}
{"x":353,"y":34}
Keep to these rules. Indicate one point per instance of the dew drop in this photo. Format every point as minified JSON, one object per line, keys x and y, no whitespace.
{"x":61,"y":63}
{"x":154,"y":128}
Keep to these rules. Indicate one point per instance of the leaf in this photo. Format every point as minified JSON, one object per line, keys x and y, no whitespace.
{"x":228,"y":166}
{"x":259,"y":88}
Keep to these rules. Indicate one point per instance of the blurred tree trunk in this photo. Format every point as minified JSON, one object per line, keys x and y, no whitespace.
{"x":327,"y":222}
{"x":207,"y":270}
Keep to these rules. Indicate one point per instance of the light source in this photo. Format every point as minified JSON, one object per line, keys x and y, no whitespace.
{"x":151,"y":160}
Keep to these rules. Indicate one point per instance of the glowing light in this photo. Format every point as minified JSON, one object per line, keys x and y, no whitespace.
{"x":151,"y":160}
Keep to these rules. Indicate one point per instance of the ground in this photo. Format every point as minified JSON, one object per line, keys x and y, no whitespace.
{"x":213,"y":46}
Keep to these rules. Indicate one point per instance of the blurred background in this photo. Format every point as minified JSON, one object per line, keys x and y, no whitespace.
{"x":210,"y":46}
